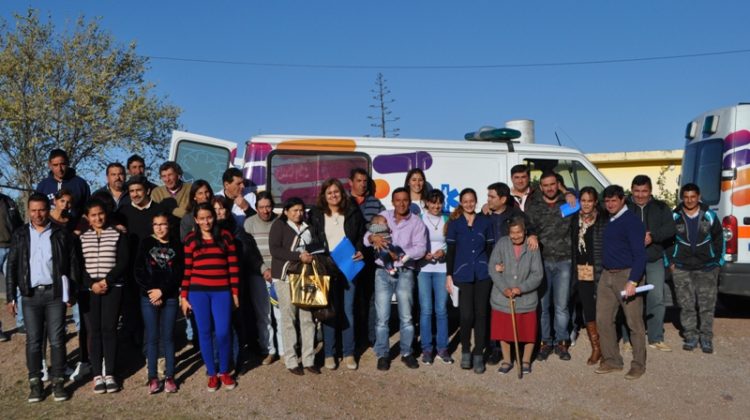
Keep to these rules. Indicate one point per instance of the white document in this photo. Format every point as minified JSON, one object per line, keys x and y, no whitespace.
{"x":454,"y":296}
{"x":640,"y":289}
{"x":65,"y":289}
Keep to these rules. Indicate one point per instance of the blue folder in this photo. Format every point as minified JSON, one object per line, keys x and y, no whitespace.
{"x":342,"y":256}
{"x":566,"y":210}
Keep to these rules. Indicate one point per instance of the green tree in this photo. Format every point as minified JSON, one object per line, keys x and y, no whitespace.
{"x":79,"y":91}
{"x":667,"y":193}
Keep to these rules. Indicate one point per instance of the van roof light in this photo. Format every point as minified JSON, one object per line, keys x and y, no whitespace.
{"x":691,"y":130}
{"x":710,"y":124}
{"x":489,"y":133}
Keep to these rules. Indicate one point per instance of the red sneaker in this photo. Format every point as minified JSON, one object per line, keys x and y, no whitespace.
{"x":154,"y":386}
{"x":213,"y":383}
{"x":227,"y":381}
{"x":170,"y":386}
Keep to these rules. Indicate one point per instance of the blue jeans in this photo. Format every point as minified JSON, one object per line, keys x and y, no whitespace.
{"x":344,"y":323}
{"x":429,"y":283}
{"x":19,"y":306}
{"x":159,"y":323}
{"x":655,"y":308}
{"x":557,"y":274}
{"x":385,"y":285}
{"x":654,"y":304}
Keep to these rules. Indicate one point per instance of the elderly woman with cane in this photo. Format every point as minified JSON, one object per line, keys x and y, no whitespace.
{"x":516,"y":273}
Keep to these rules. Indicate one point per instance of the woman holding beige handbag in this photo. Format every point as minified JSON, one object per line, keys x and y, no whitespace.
{"x":587,"y":230}
{"x":287,"y":240}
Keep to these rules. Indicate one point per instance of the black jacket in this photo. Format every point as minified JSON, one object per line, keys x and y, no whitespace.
{"x":710,"y":246}
{"x":657,"y":217}
{"x":501,"y":221}
{"x":160,"y":266}
{"x":11,"y":221}
{"x":598,"y":245}
{"x":247,"y":250}
{"x":66,"y":261}
{"x":354,"y":227}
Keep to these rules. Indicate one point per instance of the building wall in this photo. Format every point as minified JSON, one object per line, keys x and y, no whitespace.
{"x":621,"y":167}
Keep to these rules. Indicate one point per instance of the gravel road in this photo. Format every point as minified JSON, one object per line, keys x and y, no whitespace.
{"x":676,"y":385}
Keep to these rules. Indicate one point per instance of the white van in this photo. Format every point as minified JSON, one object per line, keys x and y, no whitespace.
{"x":717,"y":159}
{"x":293,"y":165}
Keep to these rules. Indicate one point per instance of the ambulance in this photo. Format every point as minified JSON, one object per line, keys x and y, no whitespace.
{"x":296,"y":165}
{"x":717,"y":159}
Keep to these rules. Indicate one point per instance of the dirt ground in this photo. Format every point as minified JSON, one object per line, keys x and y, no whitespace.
{"x":676,"y":385}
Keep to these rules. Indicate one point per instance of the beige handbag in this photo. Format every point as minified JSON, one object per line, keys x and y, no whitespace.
{"x":309,"y":289}
{"x":585,"y":272}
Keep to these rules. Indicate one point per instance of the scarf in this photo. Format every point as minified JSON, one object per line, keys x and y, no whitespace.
{"x":583,"y":226}
{"x":303,"y":233}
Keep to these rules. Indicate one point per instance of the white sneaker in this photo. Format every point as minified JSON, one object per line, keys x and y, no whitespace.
{"x":330,"y":363}
{"x":661,"y":346}
{"x":110,"y":384}
{"x":350,"y":362}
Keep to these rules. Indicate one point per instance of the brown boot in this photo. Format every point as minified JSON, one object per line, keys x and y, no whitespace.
{"x":596,"y":350}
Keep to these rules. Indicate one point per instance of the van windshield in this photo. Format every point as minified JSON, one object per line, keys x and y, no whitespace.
{"x":202,"y":161}
{"x":574,"y":174}
{"x":701,"y":165}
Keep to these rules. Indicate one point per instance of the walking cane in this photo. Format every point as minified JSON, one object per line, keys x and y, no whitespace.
{"x":515,"y":335}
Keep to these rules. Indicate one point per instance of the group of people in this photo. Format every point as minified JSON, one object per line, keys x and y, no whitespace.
{"x":132,"y":255}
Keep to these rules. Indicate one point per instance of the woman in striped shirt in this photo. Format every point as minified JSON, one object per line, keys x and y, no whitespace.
{"x":105,"y":256}
{"x":210,"y":288}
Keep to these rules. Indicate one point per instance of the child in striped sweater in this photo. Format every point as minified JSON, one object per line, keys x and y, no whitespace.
{"x":210,"y":288}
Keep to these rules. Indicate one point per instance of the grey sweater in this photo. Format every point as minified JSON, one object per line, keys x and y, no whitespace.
{"x":526,"y":274}
{"x":260,"y":230}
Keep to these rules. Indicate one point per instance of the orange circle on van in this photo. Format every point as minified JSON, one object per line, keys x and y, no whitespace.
{"x":382,"y":188}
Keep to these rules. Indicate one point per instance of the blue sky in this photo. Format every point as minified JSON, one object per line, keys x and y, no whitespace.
{"x":596,"y":108}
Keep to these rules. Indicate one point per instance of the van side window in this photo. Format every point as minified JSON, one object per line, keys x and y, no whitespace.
{"x":202,"y":161}
{"x":574,"y":173}
{"x":701,"y":165}
{"x":300,"y":174}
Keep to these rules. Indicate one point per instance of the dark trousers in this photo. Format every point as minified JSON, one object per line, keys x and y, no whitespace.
{"x":83,"y":336}
{"x":587,"y":296}
{"x":473,"y":306}
{"x":41,"y":310}
{"x":101,"y":323}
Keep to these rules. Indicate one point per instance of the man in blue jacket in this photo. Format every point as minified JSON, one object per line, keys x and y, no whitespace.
{"x":623,"y":265}
{"x":695,"y":258}
{"x":61,"y":175}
